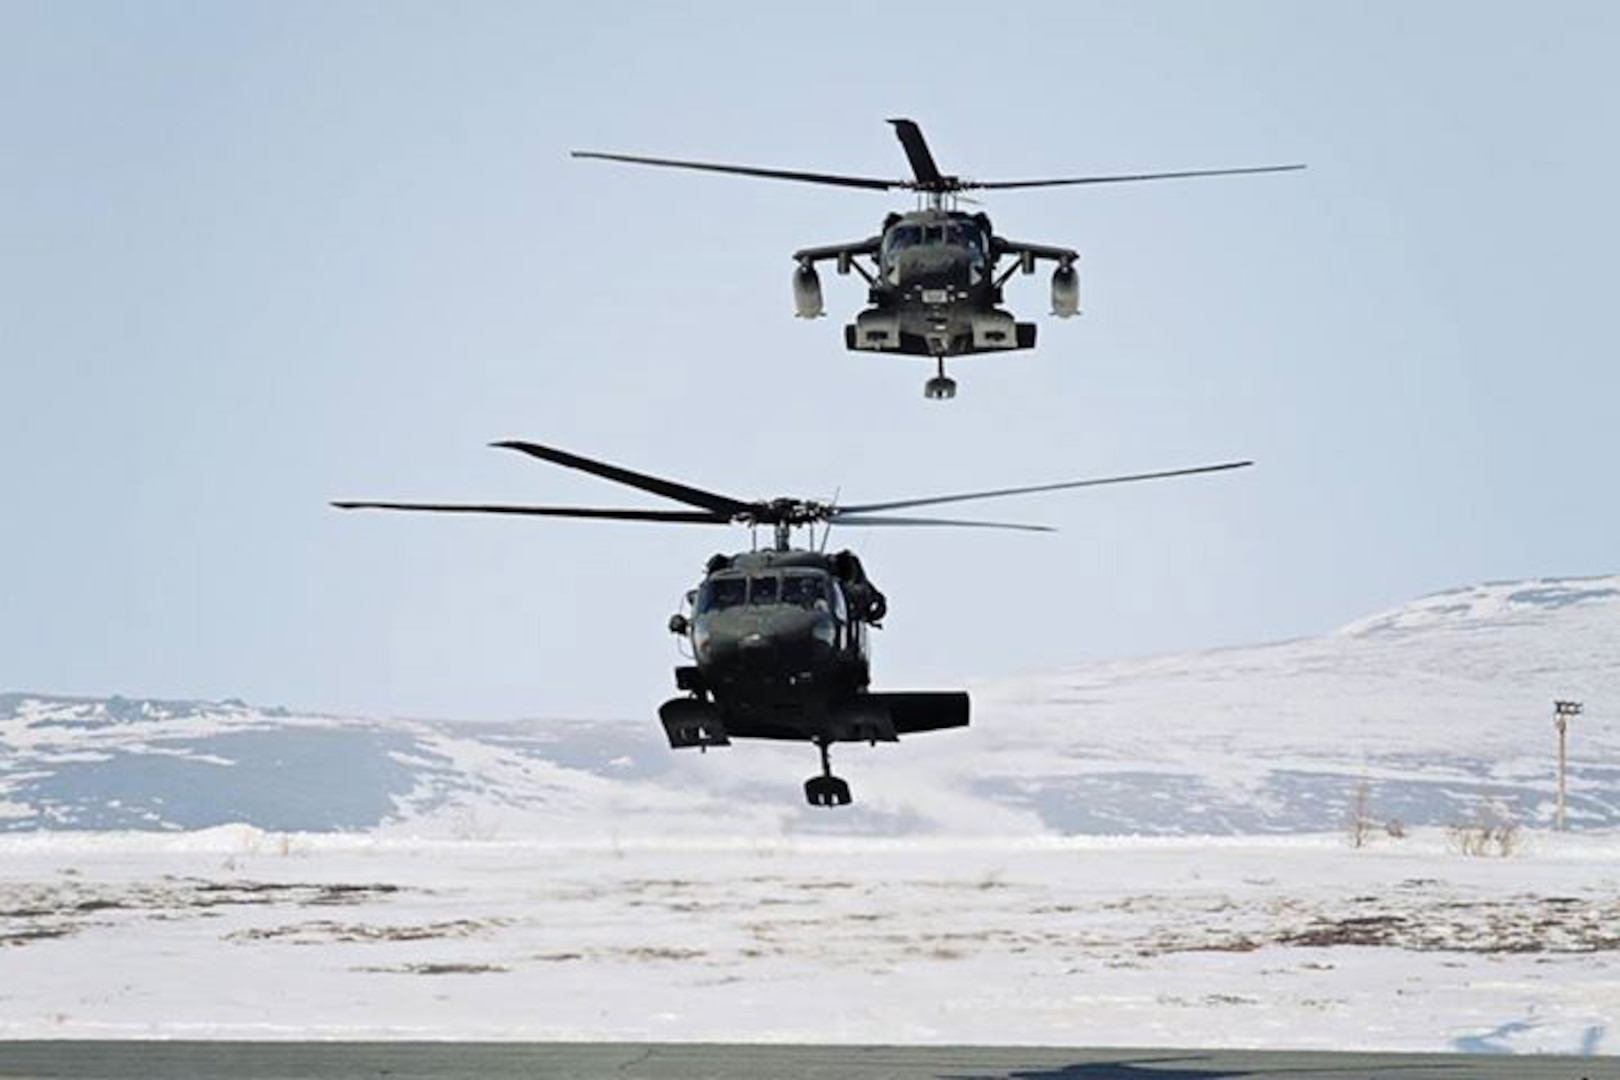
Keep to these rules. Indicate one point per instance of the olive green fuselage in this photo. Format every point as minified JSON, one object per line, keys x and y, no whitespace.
{"x":779,"y":641}
{"x":935,"y":293}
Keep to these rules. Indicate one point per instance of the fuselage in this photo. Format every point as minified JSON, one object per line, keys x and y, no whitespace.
{"x":777,"y":641}
{"x":928,"y":253}
{"x":780,"y":643}
{"x":935,"y":292}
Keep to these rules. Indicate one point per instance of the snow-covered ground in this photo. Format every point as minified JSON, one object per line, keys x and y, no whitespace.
{"x":1149,"y":852}
{"x":1273,"y":941}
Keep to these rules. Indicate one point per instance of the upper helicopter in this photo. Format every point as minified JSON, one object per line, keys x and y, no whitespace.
{"x":935,"y":286}
{"x":778,"y":637}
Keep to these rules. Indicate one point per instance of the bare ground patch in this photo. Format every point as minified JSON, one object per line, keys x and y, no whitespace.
{"x":435,"y":969}
{"x":33,"y":912}
{"x":324,"y":931}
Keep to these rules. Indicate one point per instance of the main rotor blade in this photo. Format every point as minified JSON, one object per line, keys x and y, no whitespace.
{"x":868,"y":182}
{"x":693,"y":517}
{"x":840,"y":513}
{"x":884,"y":520}
{"x":669,"y":489}
{"x":1003,"y":185}
{"x":922,"y":162}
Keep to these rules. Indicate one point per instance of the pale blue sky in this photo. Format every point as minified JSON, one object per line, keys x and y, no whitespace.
{"x":256,"y":256}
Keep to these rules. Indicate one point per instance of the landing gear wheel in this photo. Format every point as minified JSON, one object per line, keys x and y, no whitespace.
{"x":941,"y":387}
{"x":826,"y":789}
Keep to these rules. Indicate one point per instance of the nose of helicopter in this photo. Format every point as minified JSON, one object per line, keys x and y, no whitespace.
{"x":761,"y":640}
{"x":757,"y":651}
{"x":932,"y":267}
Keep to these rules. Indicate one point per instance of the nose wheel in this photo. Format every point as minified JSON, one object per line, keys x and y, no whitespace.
{"x":826,"y":789}
{"x":941,"y":387}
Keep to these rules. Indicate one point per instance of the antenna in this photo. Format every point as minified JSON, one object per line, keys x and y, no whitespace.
{"x":826,"y":529}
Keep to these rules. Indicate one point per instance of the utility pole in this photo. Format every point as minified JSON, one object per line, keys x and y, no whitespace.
{"x":1562,"y":711}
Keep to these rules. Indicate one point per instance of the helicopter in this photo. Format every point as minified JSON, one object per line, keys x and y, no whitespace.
{"x":779,"y":637}
{"x":935,"y":289}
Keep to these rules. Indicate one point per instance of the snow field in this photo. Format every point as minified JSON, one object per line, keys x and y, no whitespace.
{"x":1297,"y":942}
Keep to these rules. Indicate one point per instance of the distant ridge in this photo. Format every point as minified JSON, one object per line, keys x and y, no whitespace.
{"x":1440,"y":707}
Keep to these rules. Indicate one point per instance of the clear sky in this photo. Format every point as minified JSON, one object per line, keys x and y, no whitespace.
{"x":257,"y":256}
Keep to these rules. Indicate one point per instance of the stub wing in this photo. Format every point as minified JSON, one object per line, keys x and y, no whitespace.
{"x":869,"y":246}
{"x":689,"y":722}
{"x":936,"y":710}
{"x":894,"y":714}
{"x":1001,"y":246}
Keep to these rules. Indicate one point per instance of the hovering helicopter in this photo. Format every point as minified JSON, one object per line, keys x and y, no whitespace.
{"x":935,"y":287}
{"x":779,"y":637}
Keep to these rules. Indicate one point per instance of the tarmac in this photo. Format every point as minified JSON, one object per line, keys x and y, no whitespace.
{"x":217,"y":1060}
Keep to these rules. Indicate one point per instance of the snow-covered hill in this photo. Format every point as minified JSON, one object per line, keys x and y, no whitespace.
{"x":1440,"y":705}
{"x":1439,"y":708}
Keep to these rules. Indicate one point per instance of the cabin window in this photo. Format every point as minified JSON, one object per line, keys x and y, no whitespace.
{"x":934,"y":234}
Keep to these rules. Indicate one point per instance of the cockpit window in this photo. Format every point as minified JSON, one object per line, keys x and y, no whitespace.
{"x":763,"y":590}
{"x":803,"y":590}
{"x":963,"y":233}
{"x":720,"y":593}
{"x":904,"y":236}
{"x":799,"y":588}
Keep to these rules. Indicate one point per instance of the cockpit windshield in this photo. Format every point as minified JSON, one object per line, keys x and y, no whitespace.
{"x":763,"y":590}
{"x":800,"y":589}
{"x":720,"y":593}
{"x":966,"y":234}
{"x":803,"y":590}
{"x":903,"y":236}
{"x":961,"y":233}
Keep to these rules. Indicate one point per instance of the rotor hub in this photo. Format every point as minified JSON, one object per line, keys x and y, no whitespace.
{"x":786,"y":511}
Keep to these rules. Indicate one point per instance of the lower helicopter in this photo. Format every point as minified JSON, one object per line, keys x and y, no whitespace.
{"x":779,"y":637}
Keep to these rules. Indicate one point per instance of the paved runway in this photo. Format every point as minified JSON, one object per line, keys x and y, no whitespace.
{"x":85,"y":1059}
